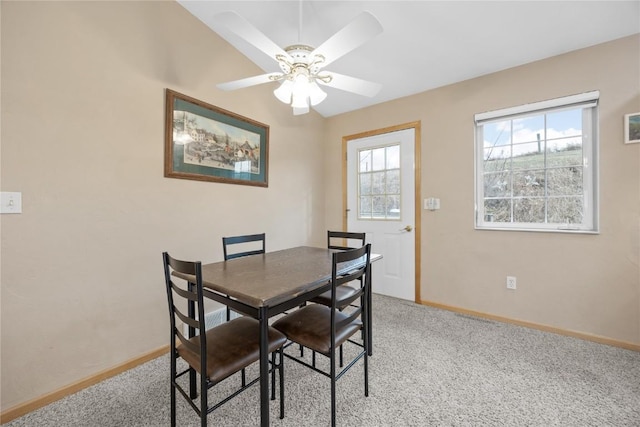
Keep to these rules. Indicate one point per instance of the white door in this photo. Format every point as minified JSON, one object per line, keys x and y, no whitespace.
{"x":381,"y":202}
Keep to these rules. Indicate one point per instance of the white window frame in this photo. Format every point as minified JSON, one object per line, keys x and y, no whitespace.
{"x":589,"y":103}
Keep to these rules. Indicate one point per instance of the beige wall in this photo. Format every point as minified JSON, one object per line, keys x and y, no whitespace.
{"x":584,"y":283}
{"x":82,"y":139}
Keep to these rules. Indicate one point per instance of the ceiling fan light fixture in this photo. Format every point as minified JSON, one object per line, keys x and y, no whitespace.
{"x":300,"y":92}
{"x":302,"y":110}
{"x":301,"y":85}
{"x":284,"y":91}
{"x":300,"y":95}
{"x":316,"y":95}
{"x":302,"y":65}
{"x":300,"y":100}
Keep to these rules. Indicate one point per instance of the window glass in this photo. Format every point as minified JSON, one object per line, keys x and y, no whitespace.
{"x":365,"y":161}
{"x":379,"y":183}
{"x":378,"y":156}
{"x":393,"y":157}
{"x":393,"y":181}
{"x":537,"y":171}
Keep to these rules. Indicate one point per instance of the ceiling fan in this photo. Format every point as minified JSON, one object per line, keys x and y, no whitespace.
{"x":302,"y":66}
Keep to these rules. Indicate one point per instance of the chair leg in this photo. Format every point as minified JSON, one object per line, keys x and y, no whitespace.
{"x":191,"y":310}
{"x":369,"y":317}
{"x":244,"y":377}
{"x":341,"y":357}
{"x":281,"y":369}
{"x":173,"y":391}
{"x":193,"y":386}
{"x":203,"y":401}
{"x":367,"y":348}
{"x":366,"y":374}
{"x":273,"y":376}
{"x":333,"y":387}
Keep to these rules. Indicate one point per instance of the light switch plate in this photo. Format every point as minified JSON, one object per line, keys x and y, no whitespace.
{"x":10,"y":202}
{"x":432,"y":203}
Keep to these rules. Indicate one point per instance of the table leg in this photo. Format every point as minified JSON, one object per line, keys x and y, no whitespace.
{"x":264,"y":367}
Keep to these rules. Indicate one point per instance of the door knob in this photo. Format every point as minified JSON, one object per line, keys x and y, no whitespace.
{"x":408,"y":228}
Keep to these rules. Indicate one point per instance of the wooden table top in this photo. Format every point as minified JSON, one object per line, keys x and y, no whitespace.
{"x":271,"y":278}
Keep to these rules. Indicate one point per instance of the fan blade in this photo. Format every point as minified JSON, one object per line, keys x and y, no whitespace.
{"x":249,"y":81}
{"x":352,"y":84}
{"x":354,"y":34}
{"x":243,"y":28}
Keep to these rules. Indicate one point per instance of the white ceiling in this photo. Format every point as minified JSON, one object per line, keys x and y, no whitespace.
{"x":426,"y":44}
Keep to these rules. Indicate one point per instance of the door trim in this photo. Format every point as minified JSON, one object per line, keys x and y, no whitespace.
{"x":417,"y":196}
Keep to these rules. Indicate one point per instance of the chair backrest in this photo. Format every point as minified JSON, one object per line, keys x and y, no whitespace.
{"x":243,"y":242}
{"x":343,"y":237}
{"x":181,"y":295}
{"x":347,"y":266}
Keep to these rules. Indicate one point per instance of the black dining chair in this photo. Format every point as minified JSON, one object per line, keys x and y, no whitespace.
{"x":337,"y":240}
{"x":241,"y":246}
{"x":245,"y":246}
{"x":214,"y":354}
{"x":341,"y":240}
{"x":323,"y":329}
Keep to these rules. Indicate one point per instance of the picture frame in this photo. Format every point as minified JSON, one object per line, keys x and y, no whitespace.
{"x":207,"y":143}
{"x":632,"y":128}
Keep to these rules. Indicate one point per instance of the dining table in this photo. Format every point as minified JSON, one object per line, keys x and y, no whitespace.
{"x":268,"y":284}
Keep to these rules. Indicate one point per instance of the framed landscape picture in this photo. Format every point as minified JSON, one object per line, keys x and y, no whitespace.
{"x":207,"y":143}
{"x":632,"y":128}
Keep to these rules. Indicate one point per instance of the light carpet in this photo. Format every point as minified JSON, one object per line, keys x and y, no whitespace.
{"x":430,"y":367}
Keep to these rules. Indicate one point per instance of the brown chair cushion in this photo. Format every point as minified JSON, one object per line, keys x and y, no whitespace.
{"x":342,"y":293}
{"x":231,"y":346}
{"x":311,"y":327}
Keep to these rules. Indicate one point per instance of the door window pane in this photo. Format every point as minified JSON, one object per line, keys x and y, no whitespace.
{"x":393,"y":182}
{"x":378,"y":159}
{"x":365,"y":207}
{"x":365,"y":183}
{"x":393,"y":207}
{"x":365,"y":161}
{"x":379,"y":183}
{"x":393,"y":157}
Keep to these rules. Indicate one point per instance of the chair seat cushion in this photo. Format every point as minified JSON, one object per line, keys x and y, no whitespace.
{"x":342,"y":293}
{"x":311,"y":327}
{"x":231,"y":346}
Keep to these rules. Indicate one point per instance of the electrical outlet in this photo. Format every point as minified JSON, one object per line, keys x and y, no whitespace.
{"x":511,"y":282}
